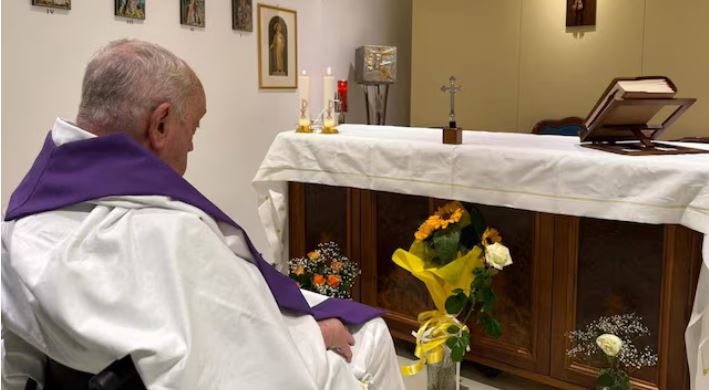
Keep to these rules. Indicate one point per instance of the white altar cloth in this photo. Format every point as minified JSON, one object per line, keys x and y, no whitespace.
{"x":550,"y":174}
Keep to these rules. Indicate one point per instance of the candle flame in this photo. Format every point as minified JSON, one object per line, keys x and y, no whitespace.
{"x":304,"y":73}
{"x":329,"y":71}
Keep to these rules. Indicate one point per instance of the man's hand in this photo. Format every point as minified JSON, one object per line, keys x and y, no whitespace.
{"x":337,"y":337}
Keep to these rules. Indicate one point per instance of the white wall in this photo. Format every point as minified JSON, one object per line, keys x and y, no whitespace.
{"x":43,"y":59}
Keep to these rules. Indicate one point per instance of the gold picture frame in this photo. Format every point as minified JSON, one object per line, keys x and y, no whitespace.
{"x":277,"y":47}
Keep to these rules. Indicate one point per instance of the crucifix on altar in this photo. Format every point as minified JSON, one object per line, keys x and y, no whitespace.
{"x":452,"y":134}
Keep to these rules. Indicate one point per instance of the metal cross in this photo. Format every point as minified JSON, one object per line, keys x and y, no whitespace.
{"x":452,"y":89}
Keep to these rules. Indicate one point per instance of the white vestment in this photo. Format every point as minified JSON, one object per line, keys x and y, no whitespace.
{"x":161,"y":280}
{"x":697,"y":334}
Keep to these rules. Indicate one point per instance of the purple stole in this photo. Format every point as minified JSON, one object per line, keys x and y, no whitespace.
{"x":116,"y":165}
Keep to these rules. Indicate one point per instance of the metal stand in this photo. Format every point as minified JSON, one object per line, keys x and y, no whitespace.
{"x":380,"y":103}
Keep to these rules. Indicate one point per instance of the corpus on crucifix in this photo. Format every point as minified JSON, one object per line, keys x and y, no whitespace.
{"x":452,"y":89}
{"x":452,"y":134}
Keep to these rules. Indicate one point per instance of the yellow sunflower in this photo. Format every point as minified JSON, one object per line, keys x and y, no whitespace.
{"x":491,"y":236}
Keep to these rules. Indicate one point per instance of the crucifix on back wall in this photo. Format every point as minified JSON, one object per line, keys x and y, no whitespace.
{"x":580,"y":13}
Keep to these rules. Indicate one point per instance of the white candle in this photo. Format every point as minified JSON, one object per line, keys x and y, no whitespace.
{"x":304,"y":94}
{"x":329,"y":92}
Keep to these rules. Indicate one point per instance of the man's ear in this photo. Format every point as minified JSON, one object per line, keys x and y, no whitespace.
{"x":157,"y":127}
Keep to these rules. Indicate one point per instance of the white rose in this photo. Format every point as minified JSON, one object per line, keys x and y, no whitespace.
{"x":498,"y":256}
{"x":610,"y":344}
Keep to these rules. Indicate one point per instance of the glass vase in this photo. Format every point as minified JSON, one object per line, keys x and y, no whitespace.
{"x":443,"y":375}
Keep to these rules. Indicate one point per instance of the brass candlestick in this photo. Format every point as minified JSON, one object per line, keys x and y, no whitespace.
{"x":304,"y":121}
{"x":328,"y":122}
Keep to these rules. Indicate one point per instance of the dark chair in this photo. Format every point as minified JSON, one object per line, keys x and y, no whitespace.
{"x":570,"y":126}
{"x":119,"y":375}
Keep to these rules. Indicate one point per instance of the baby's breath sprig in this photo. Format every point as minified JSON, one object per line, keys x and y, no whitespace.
{"x":325,"y":271}
{"x":628,"y":327}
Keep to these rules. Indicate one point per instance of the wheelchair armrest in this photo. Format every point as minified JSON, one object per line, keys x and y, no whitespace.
{"x":120,"y":375}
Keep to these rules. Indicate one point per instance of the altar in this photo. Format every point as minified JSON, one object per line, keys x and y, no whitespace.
{"x":591,"y":234}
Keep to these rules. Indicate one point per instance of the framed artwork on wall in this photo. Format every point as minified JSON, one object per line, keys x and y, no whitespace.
{"x":63,"y":4}
{"x":242,"y":15}
{"x":134,"y":9}
{"x":192,"y":12}
{"x":277,"y":47}
{"x":580,"y":13}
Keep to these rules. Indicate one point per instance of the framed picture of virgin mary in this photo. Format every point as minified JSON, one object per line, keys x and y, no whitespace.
{"x":277,"y":47}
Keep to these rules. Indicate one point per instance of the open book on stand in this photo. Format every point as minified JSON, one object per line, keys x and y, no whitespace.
{"x":631,"y":113}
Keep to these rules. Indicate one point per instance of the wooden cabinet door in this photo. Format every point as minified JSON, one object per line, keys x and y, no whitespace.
{"x":524,"y":289}
{"x":610,"y":267}
{"x":388,"y":222}
{"x":319,"y":213}
{"x":523,"y":292}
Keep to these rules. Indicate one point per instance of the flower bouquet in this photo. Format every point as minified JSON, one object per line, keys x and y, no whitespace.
{"x":456,"y":256}
{"x":609,"y":341}
{"x":325,"y":271}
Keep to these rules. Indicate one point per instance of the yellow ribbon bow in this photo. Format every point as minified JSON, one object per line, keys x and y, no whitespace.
{"x":431,"y":338}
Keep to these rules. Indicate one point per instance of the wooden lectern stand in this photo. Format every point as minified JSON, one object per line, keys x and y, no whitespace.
{"x":625,"y":125}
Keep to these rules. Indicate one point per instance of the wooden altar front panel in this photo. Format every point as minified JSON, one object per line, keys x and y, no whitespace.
{"x":610,"y":267}
{"x":567,"y":272}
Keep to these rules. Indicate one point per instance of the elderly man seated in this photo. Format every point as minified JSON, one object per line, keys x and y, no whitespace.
{"x":108,"y":251}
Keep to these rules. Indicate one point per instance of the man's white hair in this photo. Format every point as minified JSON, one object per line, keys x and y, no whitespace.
{"x":126,"y":80}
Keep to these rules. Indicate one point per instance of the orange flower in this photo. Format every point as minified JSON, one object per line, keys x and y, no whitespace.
{"x":447,"y":215}
{"x":336,"y":266}
{"x":491,"y":236}
{"x":299,"y":270}
{"x":450,"y":213}
{"x":424,"y":231}
{"x":318,"y":279}
{"x":333,"y":281}
{"x":450,"y":209}
{"x":314,"y":255}
{"x":434,"y":222}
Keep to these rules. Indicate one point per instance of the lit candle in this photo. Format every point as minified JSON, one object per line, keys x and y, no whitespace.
{"x":328,"y":95}
{"x":304,"y":103}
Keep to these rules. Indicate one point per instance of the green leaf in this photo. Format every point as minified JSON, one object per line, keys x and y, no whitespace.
{"x":455,"y":303}
{"x":605,"y":379}
{"x":488,"y":299}
{"x":458,"y":290}
{"x":479,"y":280}
{"x":487,"y":279}
{"x":453,"y":329}
{"x":446,"y":244}
{"x":483,"y":279}
{"x":457,"y":353}
{"x":622,"y":381}
{"x":491,"y":326}
{"x":452,"y":342}
{"x":465,"y":338}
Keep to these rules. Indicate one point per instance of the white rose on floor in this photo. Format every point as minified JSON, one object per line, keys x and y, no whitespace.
{"x":498,"y":256}
{"x":610,"y":344}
